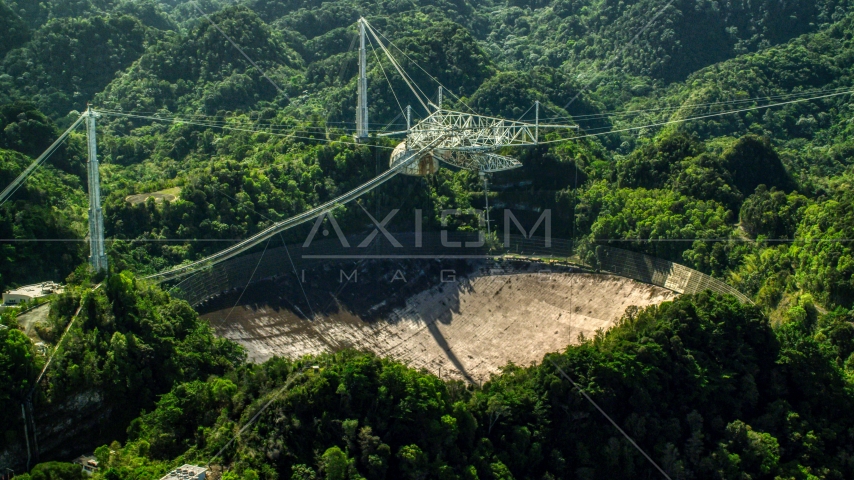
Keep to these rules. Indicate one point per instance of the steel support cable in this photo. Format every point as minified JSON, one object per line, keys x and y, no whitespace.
{"x":425,"y":71}
{"x":218,"y":123}
{"x":221,"y":119}
{"x":617,"y":56}
{"x":403,"y":74}
{"x":589,"y":399}
{"x":526,"y":112}
{"x":546,"y":125}
{"x":278,"y":129}
{"x":184,"y":280}
{"x":622,"y":113}
{"x":291,"y":222}
{"x":571,"y":117}
{"x":390,"y":124}
{"x":258,"y":413}
{"x":13,"y":187}
{"x":700,"y":117}
{"x":59,"y":342}
{"x":628,"y":113}
{"x":347,"y":61}
{"x":293,"y":266}
{"x":390,"y":86}
{"x":222,"y":124}
{"x":223,"y":127}
{"x":248,"y":282}
{"x":247,"y":130}
{"x":235,"y":45}
{"x":299,"y":280}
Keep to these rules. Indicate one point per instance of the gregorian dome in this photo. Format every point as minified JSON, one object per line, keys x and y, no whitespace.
{"x":425,"y":164}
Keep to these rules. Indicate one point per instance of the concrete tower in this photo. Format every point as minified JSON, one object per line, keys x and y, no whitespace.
{"x":362,"y":101}
{"x":97,"y":257}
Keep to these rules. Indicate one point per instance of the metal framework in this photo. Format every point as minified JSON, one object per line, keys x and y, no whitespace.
{"x":483,"y":162}
{"x":468,"y":132}
{"x":460,"y":139}
{"x":467,"y":140}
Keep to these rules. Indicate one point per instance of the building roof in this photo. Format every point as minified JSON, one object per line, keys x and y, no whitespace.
{"x":36,"y":289}
{"x":86,"y":460}
{"x":185,"y":472}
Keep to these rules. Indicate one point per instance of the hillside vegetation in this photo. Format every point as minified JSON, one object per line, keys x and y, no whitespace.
{"x":703,"y":383}
{"x":682,"y":181}
{"x":713,"y":134}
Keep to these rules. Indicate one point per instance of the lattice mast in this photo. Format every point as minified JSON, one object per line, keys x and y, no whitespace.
{"x":97,"y":257}
{"x":362,"y":100}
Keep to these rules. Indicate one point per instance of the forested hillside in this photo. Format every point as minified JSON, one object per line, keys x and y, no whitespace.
{"x":713,"y":134}
{"x":703,"y":383}
{"x":571,"y":56}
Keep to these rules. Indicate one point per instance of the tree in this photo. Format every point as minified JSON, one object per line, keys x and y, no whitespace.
{"x":705,"y":178}
{"x":18,"y":370}
{"x":15,"y":31}
{"x":825,"y":260}
{"x":56,"y":471}
{"x":413,"y":462}
{"x":652,"y":165}
{"x":772,"y":213}
{"x":753,"y":162}
{"x":335,"y":464}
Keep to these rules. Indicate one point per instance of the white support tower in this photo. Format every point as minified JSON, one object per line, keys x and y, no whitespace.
{"x":97,"y":257}
{"x":362,"y":101}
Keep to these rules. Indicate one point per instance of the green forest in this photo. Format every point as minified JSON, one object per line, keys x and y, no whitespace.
{"x":717,"y":135}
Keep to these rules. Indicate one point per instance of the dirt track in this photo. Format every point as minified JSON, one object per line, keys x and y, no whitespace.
{"x":466,"y":329}
{"x":29,"y":320}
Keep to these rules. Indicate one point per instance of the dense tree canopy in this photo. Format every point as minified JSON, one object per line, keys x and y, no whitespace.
{"x":19,"y":369}
{"x":15,"y":30}
{"x":46,"y":207}
{"x":720,"y":137}
{"x":130,"y":344}
{"x":668,"y":375}
{"x":64,"y":65}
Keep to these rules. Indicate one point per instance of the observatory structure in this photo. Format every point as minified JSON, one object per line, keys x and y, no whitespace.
{"x":464,"y":140}
{"x":460,"y":139}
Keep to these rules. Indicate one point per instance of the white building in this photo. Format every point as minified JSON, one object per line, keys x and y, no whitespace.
{"x":186,"y":472}
{"x":88,"y":462}
{"x":27,"y":293}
